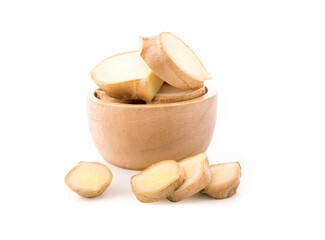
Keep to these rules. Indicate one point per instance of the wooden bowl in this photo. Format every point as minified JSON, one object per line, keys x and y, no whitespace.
{"x":135,"y":136}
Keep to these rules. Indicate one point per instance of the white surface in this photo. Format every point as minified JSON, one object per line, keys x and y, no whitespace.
{"x":267,"y":61}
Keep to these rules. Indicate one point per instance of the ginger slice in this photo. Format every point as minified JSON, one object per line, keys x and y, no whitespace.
{"x":105,"y":98}
{"x":173,"y":61}
{"x":126,"y":76}
{"x":158,"y":181}
{"x":198,"y":176}
{"x":225,"y":180}
{"x":169,"y":94}
{"x":89,"y":179}
{"x":166,"y":94}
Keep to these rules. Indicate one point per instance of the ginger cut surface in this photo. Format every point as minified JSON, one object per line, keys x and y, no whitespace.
{"x":89,"y":179}
{"x":126,"y":76}
{"x":173,"y":61}
{"x":224,"y":181}
{"x":198,"y":176}
{"x":158,"y":181}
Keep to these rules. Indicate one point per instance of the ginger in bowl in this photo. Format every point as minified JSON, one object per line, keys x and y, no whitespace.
{"x":152,"y":104}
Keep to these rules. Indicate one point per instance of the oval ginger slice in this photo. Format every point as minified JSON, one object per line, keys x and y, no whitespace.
{"x":126,"y":76}
{"x":166,"y":94}
{"x":198,"y":176}
{"x":224,"y":181}
{"x":173,"y":61}
{"x":105,"y":98}
{"x":89,"y":179}
{"x":158,"y":181}
{"x":170,"y":94}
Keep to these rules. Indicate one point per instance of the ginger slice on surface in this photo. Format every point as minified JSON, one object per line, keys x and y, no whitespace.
{"x":89,"y":179}
{"x":158,"y":181}
{"x":126,"y":76}
{"x":173,"y":61}
{"x":224,"y":181}
{"x":198,"y":176}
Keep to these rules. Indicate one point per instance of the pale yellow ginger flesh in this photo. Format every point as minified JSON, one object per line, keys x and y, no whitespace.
{"x":184,"y":57}
{"x":157,"y":177}
{"x":89,"y":179}
{"x":126,"y":76}
{"x":225,"y":180}
{"x":173,"y":61}
{"x":154,"y":83}
{"x":157,"y":181}
{"x":197,"y":174}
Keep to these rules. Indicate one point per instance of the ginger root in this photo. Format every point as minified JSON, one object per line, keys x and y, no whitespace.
{"x":126,"y":76}
{"x":198,"y":175}
{"x":158,"y":181}
{"x":89,"y":179}
{"x":225,"y":180}
{"x":173,"y":61}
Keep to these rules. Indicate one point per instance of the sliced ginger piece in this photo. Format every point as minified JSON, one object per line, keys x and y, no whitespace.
{"x":166,"y":94}
{"x":158,"y":181}
{"x":198,"y":176}
{"x":89,"y":179}
{"x":126,"y":76}
{"x":225,"y":180}
{"x":169,"y":94}
{"x":173,"y":61}
{"x":105,"y":98}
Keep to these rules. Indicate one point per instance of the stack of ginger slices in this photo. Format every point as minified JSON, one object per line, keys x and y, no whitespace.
{"x":166,"y":179}
{"x":179,"y":180}
{"x":164,"y":70}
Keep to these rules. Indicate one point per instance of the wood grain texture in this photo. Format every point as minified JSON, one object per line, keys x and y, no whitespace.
{"x":135,"y":136}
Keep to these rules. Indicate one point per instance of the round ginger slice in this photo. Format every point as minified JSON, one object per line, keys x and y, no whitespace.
{"x":224,"y":181}
{"x":158,"y":181}
{"x":173,"y":61}
{"x":166,"y":94}
{"x":105,"y":98}
{"x":198,"y":176}
{"x":89,"y":179}
{"x":126,"y":76}
{"x":169,"y":94}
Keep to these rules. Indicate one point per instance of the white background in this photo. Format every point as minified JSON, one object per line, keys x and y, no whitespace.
{"x":267,"y":59}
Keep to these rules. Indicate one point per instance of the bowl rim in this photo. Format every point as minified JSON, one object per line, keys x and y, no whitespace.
{"x":211,"y":92}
